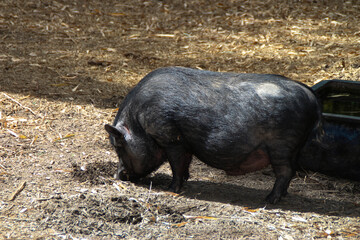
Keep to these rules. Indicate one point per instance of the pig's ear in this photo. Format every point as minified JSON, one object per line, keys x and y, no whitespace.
{"x":118,"y":133}
{"x":113,"y":131}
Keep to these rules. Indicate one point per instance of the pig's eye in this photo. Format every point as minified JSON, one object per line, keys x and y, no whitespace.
{"x":119,"y":151}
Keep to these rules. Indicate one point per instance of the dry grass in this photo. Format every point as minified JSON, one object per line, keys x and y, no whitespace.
{"x":67,"y":64}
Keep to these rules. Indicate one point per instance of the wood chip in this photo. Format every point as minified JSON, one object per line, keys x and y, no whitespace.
{"x":17,"y":191}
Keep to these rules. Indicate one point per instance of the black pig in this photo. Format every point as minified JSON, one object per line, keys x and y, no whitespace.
{"x":338,"y":153}
{"x":236,"y":122}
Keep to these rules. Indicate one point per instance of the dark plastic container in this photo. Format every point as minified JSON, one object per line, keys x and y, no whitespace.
{"x":338,"y":152}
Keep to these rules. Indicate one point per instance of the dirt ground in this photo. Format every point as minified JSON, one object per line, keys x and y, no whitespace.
{"x":65,"y":66}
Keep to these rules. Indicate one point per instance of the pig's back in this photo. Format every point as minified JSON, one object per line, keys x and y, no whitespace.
{"x":224,"y":113}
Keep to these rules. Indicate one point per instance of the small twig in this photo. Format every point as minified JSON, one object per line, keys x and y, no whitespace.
{"x":2,"y":166}
{"x":148,"y":195}
{"x":18,"y":190}
{"x":49,"y":198}
{"x":34,"y":139}
{"x":16,"y":219}
{"x":13,"y":133}
{"x":119,"y":185}
{"x":17,"y":102}
{"x":44,"y":199}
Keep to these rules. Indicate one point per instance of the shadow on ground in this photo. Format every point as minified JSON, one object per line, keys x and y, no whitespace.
{"x":226,"y":193}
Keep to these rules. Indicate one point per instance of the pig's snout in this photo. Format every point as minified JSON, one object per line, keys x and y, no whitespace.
{"x":123,"y":175}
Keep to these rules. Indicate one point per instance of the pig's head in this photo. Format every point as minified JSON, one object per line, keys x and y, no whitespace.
{"x":138,"y":154}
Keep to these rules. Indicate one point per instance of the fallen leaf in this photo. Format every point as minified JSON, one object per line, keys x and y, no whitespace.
{"x":22,"y":136}
{"x":179,"y":224}
{"x":70,"y":135}
{"x":250,"y":210}
{"x":172,"y":194}
{"x":201,"y":217}
{"x":96,"y":12}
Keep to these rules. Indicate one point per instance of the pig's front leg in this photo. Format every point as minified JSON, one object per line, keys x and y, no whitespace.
{"x":179,"y":160}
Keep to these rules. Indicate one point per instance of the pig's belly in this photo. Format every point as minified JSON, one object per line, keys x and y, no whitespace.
{"x":239,"y":165}
{"x":255,"y":161}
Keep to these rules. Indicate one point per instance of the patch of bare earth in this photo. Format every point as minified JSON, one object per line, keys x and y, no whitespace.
{"x":65,"y":66}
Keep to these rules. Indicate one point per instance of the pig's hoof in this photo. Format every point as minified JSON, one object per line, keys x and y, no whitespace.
{"x":186,"y":176}
{"x":174,"y":188}
{"x":273,"y":198}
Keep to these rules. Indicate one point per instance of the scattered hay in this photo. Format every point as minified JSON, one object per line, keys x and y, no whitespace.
{"x":66,"y":65}
{"x":88,"y":214}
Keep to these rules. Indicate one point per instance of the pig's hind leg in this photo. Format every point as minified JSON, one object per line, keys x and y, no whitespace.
{"x":282,"y":162}
{"x":179,"y":160}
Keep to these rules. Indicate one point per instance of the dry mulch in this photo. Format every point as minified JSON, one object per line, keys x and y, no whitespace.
{"x":65,"y":66}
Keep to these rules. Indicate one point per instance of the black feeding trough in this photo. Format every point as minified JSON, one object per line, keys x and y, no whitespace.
{"x":338,"y":152}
